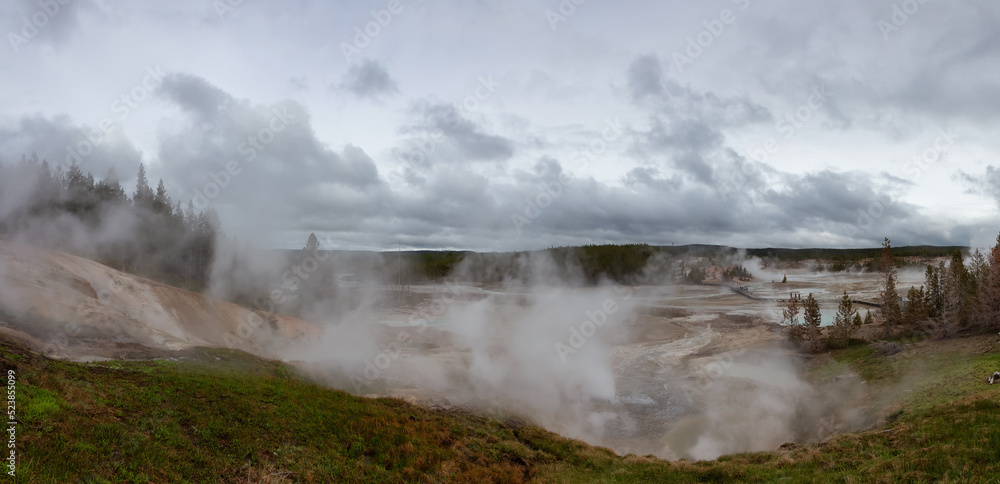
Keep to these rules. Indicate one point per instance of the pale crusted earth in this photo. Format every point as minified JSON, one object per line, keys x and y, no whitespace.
{"x":73,"y":308}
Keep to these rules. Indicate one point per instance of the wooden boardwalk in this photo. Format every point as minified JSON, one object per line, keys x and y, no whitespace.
{"x":743,"y":292}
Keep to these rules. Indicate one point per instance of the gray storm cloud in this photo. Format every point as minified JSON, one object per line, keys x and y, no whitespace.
{"x":425,"y":166}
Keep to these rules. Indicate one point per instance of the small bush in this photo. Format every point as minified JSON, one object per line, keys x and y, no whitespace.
{"x":886,"y":348}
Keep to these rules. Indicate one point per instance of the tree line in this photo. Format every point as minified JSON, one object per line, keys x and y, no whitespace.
{"x":146,"y":233}
{"x":956,"y":298}
{"x":623,"y":263}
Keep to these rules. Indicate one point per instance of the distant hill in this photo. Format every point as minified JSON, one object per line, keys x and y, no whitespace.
{"x":854,"y":255}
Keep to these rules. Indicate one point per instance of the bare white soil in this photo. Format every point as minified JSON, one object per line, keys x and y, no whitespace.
{"x":75,"y":308}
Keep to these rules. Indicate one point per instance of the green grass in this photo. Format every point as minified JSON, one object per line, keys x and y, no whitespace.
{"x":225,"y":416}
{"x":38,"y":404}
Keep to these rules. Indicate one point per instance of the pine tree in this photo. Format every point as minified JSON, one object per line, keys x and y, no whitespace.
{"x":957,"y":291}
{"x":74,"y":181}
{"x":213,"y":224}
{"x":933,"y":300}
{"x":889,"y":314}
{"x":975,"y":274}
{"x":312,"y":245}
{"x":179,"y":215}
{"x":143,"y":196}
{"x":813,"y":320}
{"x":790,"y":318}
{"x":843,"y":323}
{"x":977,"y":266}
{"x":109,"y":190}
{"x":190,"y":216}
{"x":79,"y":192}
{"x":915,"y":311}
{"x":163,"y":245}
{"x":989,"y":290}
{"x":161,"y":201}
{"x":868,"y":317}
{"x":49,"y":188}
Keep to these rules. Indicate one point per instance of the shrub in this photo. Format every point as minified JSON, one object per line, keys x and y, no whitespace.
{"x":886,"y":348}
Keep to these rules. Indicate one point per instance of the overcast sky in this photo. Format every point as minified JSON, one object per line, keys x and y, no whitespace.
{"x":498,"y":125}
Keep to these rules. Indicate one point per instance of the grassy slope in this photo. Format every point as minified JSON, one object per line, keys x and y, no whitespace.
{"x":226,"y":416}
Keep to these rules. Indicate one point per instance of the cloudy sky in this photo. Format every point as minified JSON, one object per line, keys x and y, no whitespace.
{"x":497,"y":125}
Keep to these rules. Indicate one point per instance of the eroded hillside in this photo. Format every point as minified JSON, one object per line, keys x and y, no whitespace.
{"x":70,"y":307}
